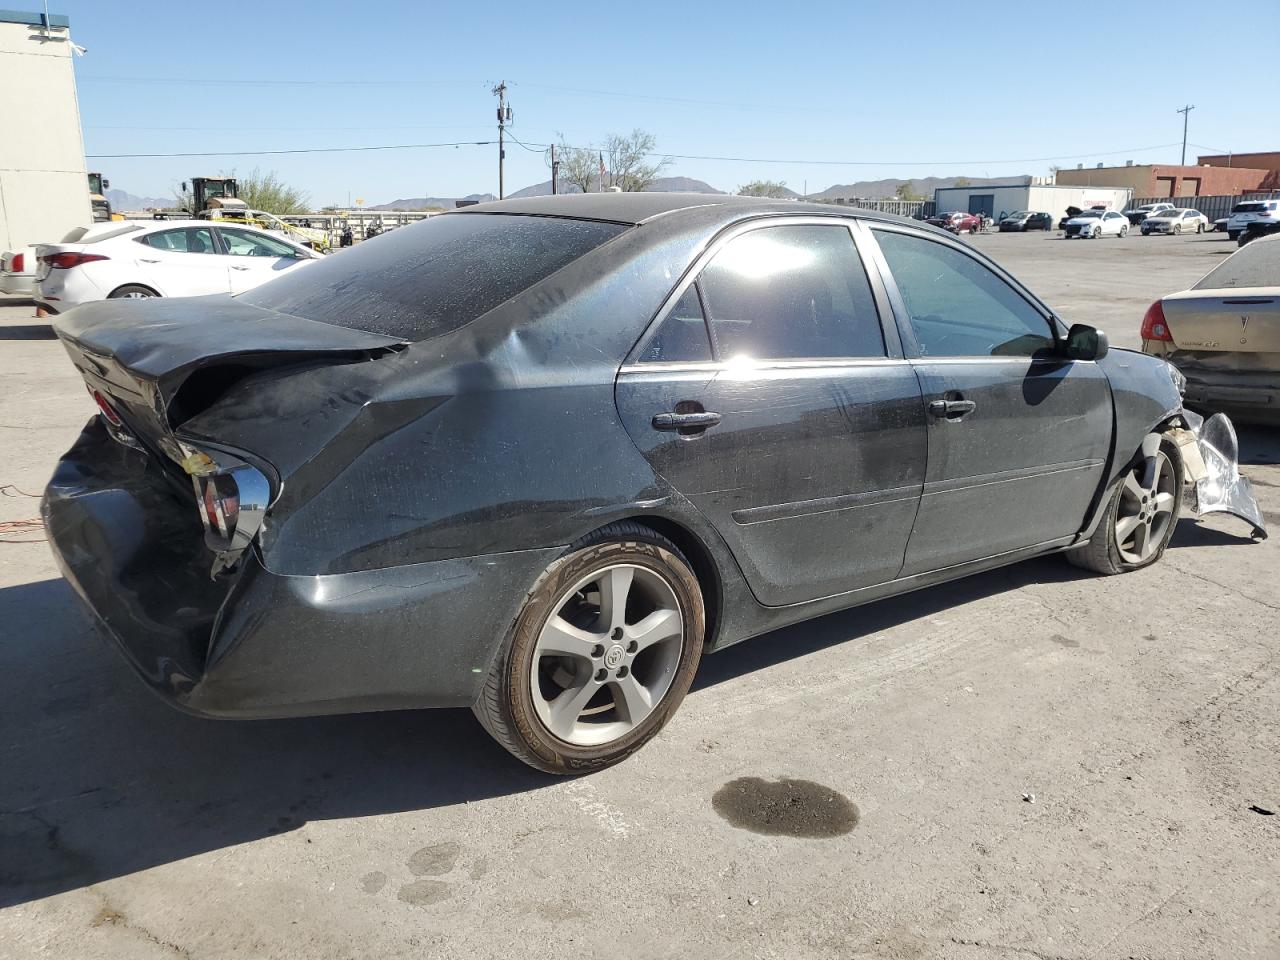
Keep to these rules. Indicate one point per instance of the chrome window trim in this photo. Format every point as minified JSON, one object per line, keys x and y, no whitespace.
{"x":730,"y":366}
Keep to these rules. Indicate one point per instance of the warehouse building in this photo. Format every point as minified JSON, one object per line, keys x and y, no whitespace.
{"x":994,"y":199}
{"x":44,"y":190}
{"x":1169,"y":180}
{"x":1267,"y":160}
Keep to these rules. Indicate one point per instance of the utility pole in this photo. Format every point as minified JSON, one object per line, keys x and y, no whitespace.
{"x":1186,"y":113}
{"x":555,"y":171}
{"x":504,"y":117}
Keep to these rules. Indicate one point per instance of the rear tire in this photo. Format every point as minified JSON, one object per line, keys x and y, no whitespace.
{"x":1140,"y":515}
{"x":582,"y":683}
{"x":132,"y":291}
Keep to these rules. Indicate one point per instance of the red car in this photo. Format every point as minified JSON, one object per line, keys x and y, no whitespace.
{"x":956,"y":222}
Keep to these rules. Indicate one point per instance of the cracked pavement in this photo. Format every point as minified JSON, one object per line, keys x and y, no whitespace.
{"x":1139,"y":711}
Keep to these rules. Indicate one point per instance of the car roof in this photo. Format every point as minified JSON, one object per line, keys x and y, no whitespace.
{"x":635,"y":209}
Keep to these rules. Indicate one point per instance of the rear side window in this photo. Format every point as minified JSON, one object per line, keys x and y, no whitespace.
{"x":958,"y":307}
{"x":190,"y":240}
{"x":791,"y":292}
{"x":425,"y":280}
{"x":682,"y":336}
{"x":1254,"y":265}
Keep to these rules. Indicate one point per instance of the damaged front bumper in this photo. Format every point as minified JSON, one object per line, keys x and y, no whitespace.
{"x":1211,"y":460}
{"x":257,"y":643}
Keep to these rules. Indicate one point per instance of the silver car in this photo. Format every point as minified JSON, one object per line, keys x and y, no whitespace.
{"x":1224,"y":334}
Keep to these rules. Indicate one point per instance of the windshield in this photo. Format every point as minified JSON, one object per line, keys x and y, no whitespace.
{"x":1254,"y":265}
{"x":435,"y":276}
{"x":1088,"y":214}
{"x":1248,"y":207}
{"x":1018,"y":215}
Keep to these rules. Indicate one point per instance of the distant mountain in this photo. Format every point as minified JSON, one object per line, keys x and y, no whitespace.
{"x":121,"y":201}
{"x":662,"y":184}
{"x":427,"y":203}
{"x":884,"y":189}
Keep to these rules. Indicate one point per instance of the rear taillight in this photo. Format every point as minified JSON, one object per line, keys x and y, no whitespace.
{"x":232,"y":499}
{"x":104,"y":407}
{"x":219,"y":504}
{"x":1154,"y":326}
{"x":18,"y":262}
{"x":64,"y":261}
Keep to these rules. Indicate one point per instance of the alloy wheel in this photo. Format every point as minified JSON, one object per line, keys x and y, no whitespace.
{"x":1145,"y":511}
{"x":607,"y":655}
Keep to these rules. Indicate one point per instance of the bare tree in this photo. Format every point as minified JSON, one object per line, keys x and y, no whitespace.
{"x":765,"y":188}
{"x":628,"y":160}
{"x":579,"y":166}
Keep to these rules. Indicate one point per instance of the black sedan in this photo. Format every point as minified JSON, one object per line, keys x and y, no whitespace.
{"x":536,"y":457}
{"x":1024,"y":220}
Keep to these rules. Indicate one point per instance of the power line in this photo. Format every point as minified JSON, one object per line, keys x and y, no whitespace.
{"x":259,"y":153}
{"x":538,"y":147}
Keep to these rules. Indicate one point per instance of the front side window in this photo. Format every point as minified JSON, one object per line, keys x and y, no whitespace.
{"x":791,"y":292}
{"x":242,"y":243}
{"x":187,"y":240}
{"x":958,"y":307}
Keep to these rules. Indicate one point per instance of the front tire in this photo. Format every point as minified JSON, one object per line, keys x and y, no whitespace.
{"x":1141,"y":515}
{"x":1124,"y":232}
{"x":601,"y":654}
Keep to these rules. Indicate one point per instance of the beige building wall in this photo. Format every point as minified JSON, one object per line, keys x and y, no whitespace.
{"x":1136,"y":178}
{"x":44,"y":190}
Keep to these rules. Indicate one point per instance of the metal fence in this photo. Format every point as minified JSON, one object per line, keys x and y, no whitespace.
{"x":1212,"y":207}
{"x":903,"y":208}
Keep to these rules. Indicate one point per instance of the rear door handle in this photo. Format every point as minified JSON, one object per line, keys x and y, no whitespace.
{"x":686,"y":423}
{"x":237,"y":266}
{"x":951,"y":409}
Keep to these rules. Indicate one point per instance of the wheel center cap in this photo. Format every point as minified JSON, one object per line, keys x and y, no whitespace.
{"x":613,"y":656}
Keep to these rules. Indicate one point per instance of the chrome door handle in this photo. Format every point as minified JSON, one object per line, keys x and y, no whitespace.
{"x":686,"y":422}
{"x":145,"y":260}
{"x":951,"y":409}
{"x":236,"y":266}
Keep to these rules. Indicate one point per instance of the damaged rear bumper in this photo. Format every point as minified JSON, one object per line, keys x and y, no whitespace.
{"x":255,"y":643}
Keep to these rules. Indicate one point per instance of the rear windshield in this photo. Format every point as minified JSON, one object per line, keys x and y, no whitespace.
{"x":1255,"y":265}
{"x":1248,"y":207}
{"x":92,"y":235}
{"x":425,"y":280}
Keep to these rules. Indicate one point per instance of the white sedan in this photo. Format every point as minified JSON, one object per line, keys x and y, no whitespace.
{"x":1180,"y":220}
{"x":163,"y":258}
{"x":1097,"y":223}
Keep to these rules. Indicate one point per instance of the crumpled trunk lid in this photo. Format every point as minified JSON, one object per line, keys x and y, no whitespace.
{"x":139,"y":353}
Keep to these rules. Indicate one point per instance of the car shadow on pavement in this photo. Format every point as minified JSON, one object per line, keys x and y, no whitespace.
{"x":822,"y":632}
{"x":27,"y":331}
{"x":99,"y":778}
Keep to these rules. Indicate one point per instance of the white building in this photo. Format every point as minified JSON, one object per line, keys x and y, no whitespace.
{"x":44,"y":189}
{"x":994,"y":199}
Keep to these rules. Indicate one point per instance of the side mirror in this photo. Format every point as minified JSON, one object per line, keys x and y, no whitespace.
{"x":1086,"y":343}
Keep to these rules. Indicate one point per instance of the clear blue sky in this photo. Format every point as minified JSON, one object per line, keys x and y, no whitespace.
{"x":905,"y":89}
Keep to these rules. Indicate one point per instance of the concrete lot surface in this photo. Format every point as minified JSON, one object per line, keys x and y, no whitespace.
{"x":1044,"y":764}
